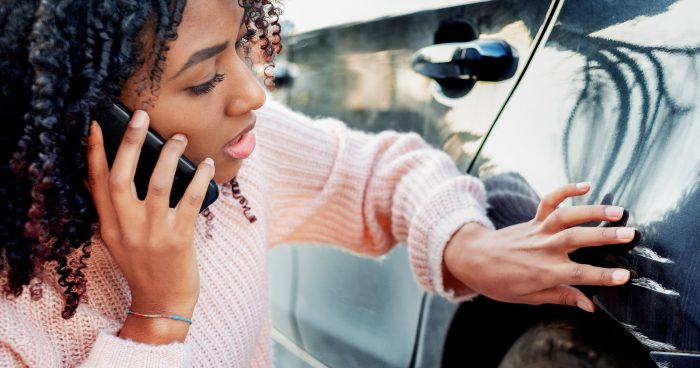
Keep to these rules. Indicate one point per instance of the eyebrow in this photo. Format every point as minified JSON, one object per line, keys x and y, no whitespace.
{"x":202,"y":55}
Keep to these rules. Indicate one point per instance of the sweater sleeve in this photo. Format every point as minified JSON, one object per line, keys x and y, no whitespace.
{"x":110,"y":350}
{"x":366,"y":193}
{"x":24,"y":344}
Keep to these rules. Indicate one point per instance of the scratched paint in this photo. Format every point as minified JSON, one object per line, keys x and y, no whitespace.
{"x":650,"y":254}
{"x":652,"y":285}
{"x":649,"y":343}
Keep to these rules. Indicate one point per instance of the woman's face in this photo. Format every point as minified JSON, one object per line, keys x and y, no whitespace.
{"x":207,"y":91}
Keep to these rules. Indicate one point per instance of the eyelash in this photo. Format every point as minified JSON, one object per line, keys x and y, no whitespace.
{"x":207,"y":87}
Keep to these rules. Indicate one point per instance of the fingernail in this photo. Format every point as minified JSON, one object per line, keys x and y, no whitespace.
{"x":139,"y":119}
{"x":209,"y":161}
{"x":179,"y":137}
{"x":585,"y":306}
{"x":583,"y":185}
{"x":614,"y":211}
{"x":633,"y":275}
{"x":620,"y":275}
{"x":625,"y":233}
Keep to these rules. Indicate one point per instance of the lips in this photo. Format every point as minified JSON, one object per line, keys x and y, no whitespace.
{"x":242,"y":145}
{"x":238,"y":138}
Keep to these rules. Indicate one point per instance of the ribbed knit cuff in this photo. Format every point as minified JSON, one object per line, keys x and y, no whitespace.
{"x":112,"y":351}
{"x":431,"y":229}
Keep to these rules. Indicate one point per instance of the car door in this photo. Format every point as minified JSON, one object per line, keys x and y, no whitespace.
{"x":612,"y":97}
{"x":349,"y":311}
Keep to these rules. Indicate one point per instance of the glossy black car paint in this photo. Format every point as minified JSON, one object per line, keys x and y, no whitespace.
{"x":612,"y":98}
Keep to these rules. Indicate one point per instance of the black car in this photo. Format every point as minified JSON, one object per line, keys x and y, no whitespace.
{"x":527,"y":96}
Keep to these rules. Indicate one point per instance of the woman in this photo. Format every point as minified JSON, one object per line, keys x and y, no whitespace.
{"x":184,"y":69}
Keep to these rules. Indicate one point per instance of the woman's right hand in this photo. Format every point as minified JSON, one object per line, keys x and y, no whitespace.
{"x":152,"y":244}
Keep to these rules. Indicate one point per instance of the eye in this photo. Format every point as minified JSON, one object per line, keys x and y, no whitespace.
{"x":208,"y":86}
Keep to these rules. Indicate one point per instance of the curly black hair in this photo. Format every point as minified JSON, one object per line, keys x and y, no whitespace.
{"x":60,"y":61}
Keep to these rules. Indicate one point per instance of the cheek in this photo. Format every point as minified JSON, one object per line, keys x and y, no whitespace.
{"x":170,"y":114}
{"x":204,"y":138}
{"x":168,"y":119}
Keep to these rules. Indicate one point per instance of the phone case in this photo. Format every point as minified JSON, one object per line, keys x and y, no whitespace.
{"x":114,"y":121}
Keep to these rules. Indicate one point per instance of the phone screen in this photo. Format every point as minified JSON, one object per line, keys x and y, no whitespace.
{"x":114,"y":121}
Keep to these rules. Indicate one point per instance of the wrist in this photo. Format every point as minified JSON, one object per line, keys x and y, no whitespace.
{"x":154,"y":330}
{"x":456,"y":249}
{"x":181,"y":308}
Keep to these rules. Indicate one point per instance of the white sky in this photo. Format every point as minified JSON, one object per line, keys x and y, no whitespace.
{"x":313,"y":14}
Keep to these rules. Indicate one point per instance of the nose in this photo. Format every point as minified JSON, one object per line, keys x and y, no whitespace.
{"x":248,"y":94}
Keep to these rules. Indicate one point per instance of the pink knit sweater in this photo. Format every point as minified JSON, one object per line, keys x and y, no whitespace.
{"x":312,"y":181}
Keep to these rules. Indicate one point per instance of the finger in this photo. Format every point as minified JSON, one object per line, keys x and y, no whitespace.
{"x":572,"y":273}
{"x":161,"y":182}
{"x":121,"y":181}
{"x":562,"y":295}
{"x":566,"y":217}
{"x":98,"y":176}
{"x":188,"y":208}
{"x":550,"y":202}
{"x":578,"y":237}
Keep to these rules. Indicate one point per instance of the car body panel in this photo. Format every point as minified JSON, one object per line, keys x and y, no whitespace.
{"x":612,"y":98}
{"x":283,"y":280}
{"x":357,"y":312}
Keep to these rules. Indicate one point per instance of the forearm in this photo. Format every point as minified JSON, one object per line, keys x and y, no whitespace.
{"x":392,"y":188}
{"x":381,"y":182}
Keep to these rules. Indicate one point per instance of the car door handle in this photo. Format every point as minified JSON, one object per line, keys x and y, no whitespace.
{"x":489,"y":60}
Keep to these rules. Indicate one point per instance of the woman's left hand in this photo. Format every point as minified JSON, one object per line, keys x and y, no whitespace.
{"x":528,"y":263}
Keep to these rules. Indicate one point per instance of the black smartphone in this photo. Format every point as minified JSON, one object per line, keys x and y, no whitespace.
{"x":114,"y":120}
